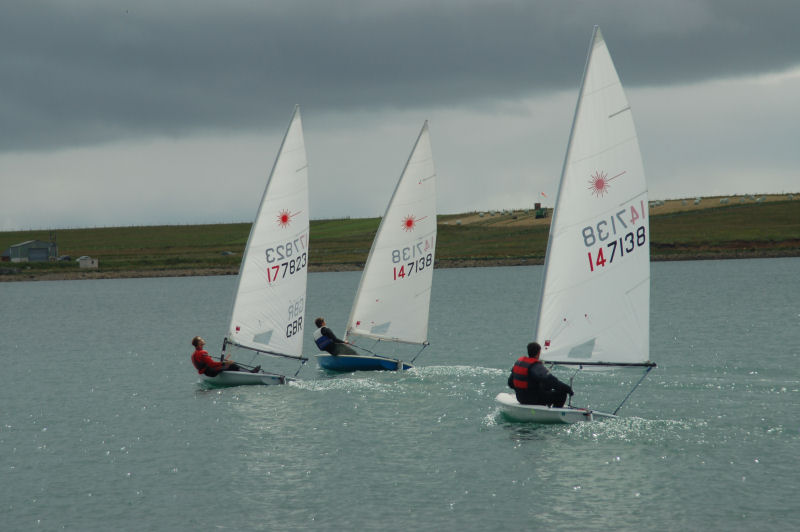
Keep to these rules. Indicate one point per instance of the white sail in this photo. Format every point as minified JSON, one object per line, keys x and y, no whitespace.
{"x":596,"y":295}
{"x":270,"y":298}
{"x":393,"y":298}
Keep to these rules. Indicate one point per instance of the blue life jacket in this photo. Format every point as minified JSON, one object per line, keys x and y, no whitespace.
{"x":322,"y":341}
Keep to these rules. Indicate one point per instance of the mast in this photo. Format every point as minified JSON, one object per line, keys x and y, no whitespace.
{"x":556,"y":208}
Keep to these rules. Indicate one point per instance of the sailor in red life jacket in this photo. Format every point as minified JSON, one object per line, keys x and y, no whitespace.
{"x":327,"y":341}
{"x":208,"y":366}
{"x":534,"y":384}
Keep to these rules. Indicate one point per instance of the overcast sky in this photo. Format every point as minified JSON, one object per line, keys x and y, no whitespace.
{"x":165,"y":112}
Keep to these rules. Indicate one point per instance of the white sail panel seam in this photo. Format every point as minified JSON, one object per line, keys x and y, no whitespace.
{"x":610,"y":148}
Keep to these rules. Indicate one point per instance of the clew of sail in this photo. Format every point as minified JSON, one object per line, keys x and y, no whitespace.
{"x":269,"y":304}
{"x":594,"y":306}
{"x":393,"y":297}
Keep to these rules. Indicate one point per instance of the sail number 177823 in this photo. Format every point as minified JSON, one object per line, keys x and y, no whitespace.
{"x":286,"y":259}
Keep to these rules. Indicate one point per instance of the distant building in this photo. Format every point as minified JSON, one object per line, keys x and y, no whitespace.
{"x":88,"y":263}
{"x":33,"y":251}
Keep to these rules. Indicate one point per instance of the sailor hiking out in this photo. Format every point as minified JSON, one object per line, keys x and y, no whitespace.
{"x":206,"y":365}
{"x":327,"y":341}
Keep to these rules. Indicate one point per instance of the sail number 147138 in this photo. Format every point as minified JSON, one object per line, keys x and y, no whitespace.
{"x":615,"y":237}
{"x":412,"y":259}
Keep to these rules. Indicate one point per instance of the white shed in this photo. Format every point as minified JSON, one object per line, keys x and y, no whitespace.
{"x":88,"y":263}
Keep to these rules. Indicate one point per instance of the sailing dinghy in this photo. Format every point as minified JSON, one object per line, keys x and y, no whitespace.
{"x":269,"y":304}
{"x":393,"y":297}
{"x":595,"y":303}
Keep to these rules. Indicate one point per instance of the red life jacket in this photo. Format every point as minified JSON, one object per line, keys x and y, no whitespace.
{"x":203,"y":362}
{"x":520,"y":372}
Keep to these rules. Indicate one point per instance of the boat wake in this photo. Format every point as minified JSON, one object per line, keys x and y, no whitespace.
{"x":623,"y":429}
{"x":464,"y":379}
{"x":459,"y":371}
{"x":347,"y":383}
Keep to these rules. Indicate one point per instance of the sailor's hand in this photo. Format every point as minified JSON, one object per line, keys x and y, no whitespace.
{"x":570,"y":392}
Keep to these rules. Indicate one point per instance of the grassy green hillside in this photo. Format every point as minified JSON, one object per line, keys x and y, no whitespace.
{"x":743,"y":230}
{"x":769,"y":229}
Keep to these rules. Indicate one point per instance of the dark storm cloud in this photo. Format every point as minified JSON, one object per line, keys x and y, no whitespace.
{"x":78,"y":72}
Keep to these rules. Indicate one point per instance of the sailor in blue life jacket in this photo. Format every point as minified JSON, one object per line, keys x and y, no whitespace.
{"x":327,"y":341}
{"x":534,"y":384}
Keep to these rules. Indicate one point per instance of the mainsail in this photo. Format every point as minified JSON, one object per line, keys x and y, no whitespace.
{"x":393,"y":297}
{"x":269,"y":304}
{"x":595,"y":300}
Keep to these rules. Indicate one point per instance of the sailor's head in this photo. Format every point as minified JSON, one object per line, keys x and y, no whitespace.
{"x":198,"y":342}
{"x":534,"y":349}
{"x":319,"y":322}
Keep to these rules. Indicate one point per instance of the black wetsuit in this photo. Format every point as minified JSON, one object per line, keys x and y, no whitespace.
{"x":335,"y":346}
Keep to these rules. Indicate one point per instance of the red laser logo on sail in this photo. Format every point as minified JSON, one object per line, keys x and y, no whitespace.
{"x":599,"y":183}
{"x":409,"y":222}
{"x":285,"y":218}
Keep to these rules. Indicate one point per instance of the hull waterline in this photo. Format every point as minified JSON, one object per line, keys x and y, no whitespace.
{"x":242,"y":378}
{"x":361,"y":363}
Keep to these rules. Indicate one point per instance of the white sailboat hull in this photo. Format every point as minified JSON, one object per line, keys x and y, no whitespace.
{"x":515,"y":411}
{"x":243,"y":378}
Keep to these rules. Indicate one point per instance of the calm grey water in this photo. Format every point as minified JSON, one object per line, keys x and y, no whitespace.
{"x":103,"y":424}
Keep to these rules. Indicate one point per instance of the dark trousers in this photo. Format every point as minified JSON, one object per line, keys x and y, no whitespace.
{"x":214,"y":372}
{"x":552,"y":398}
{"x":342,"y":349}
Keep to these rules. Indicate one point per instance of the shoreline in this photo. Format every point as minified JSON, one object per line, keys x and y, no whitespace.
{"x":763,"y":227}
{"x":23,"y":275}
